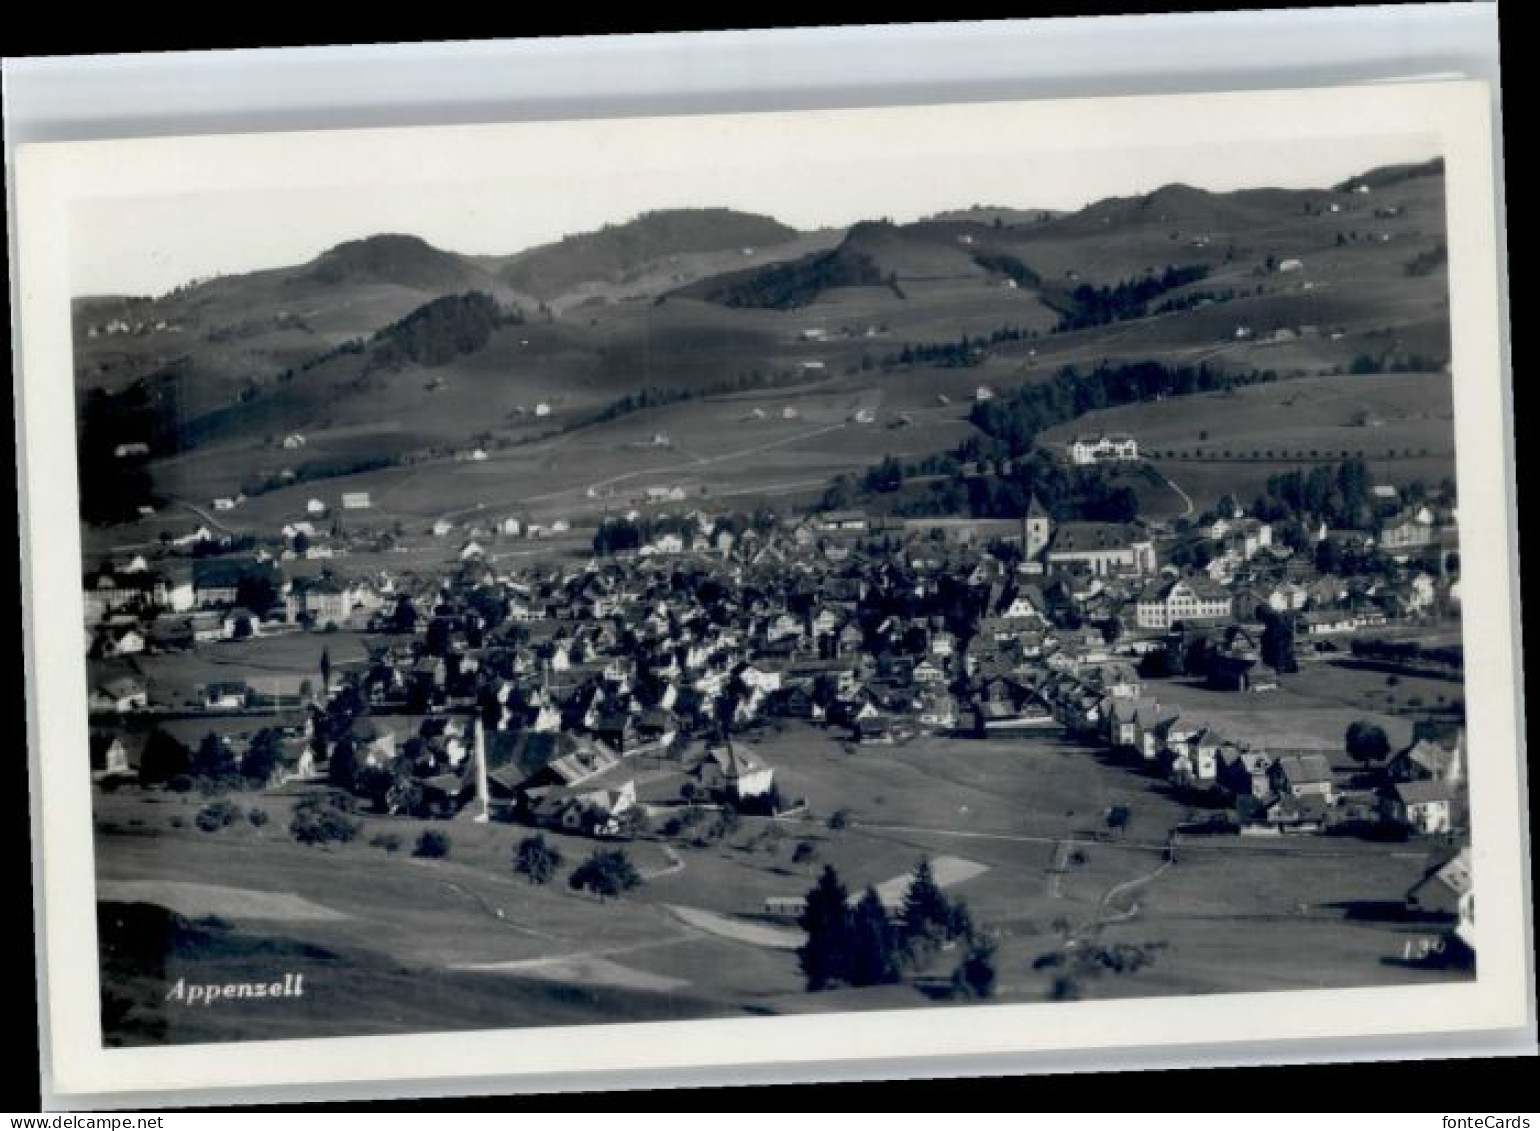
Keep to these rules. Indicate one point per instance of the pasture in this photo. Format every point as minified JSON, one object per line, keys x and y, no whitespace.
{"x":1304,"y":419}
{"x":1024,"y":820}
{"x":1311,"y":710}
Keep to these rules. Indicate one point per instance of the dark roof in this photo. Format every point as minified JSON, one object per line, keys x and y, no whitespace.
{"x":1300,"y":768}
{"x":226,"y":573}
{"x":1080,"y":537}
{"x":1421,"y":792}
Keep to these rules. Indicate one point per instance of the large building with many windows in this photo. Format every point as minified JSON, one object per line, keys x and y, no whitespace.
{"x":1182,"y":600}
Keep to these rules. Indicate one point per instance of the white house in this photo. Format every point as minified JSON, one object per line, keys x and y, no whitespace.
{"x":122,"y":694}
{"x":737,"y":773}
{"x":1423,"y":806}
{"x":355,"y":500}
{"x":1109,"y":447}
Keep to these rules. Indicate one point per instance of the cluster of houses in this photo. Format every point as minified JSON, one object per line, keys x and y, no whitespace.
{"x":1270,"y":788}
{"x":582,"y":673}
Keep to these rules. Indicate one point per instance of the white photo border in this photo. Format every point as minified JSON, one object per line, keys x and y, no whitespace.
{"x":1493,"y":1011}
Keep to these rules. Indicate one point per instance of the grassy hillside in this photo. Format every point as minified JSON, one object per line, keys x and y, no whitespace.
{"x":618,"y":250}
{"x":714,"y":304}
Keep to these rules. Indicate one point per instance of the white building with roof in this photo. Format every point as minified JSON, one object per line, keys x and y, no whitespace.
{"x":1108,"y":447}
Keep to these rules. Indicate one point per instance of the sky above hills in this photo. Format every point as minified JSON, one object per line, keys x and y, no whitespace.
{"x":232,"y":208}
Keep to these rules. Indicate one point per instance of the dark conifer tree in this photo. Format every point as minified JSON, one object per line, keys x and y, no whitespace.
{"x":825,"y":957}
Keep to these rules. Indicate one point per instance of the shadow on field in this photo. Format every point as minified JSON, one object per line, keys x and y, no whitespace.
{"x":1381,"y":911}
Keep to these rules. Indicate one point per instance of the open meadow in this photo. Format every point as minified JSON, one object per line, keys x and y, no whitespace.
{"x":1021,"y":822}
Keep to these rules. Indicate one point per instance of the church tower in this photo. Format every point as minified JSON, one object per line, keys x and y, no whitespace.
{"x":1036,"y":530}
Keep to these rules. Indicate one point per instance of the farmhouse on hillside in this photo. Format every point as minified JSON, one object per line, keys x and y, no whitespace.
{"x":1109,"y":447}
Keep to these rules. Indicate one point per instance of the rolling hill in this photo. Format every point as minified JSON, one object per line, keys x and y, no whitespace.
{"x":620,"y":253}
{"x":390,"y":350}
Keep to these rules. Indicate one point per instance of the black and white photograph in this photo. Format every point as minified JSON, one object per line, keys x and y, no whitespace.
{"x":752,"y":568}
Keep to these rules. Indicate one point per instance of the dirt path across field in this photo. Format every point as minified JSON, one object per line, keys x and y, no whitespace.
{"x":736,"y":929}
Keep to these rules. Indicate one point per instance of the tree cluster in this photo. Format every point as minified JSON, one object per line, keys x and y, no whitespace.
{"x":1097,"y":306}
{"x":441,"y":330}
{"x":859,"y":944}
{"x":608,"y":874}
{"x":786,"y":286}
{"x":1366,"y":742}
{"x":323,"y":818}
{"x":1016,"y":420}
{"x":1338,"y":494}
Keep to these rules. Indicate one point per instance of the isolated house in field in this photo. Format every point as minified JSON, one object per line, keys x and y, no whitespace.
{"x":228,"y":696}
{"x":874,"y":729}
{"x":120,"y":640}
{"x":121,"y":694}
{"x":109,"y":757}
{"x":355,"y":500}
{"x":1110,"y":447}
{"x":593,"y":809}
{"x":441,"y":527}
{"x":735,"y":773}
